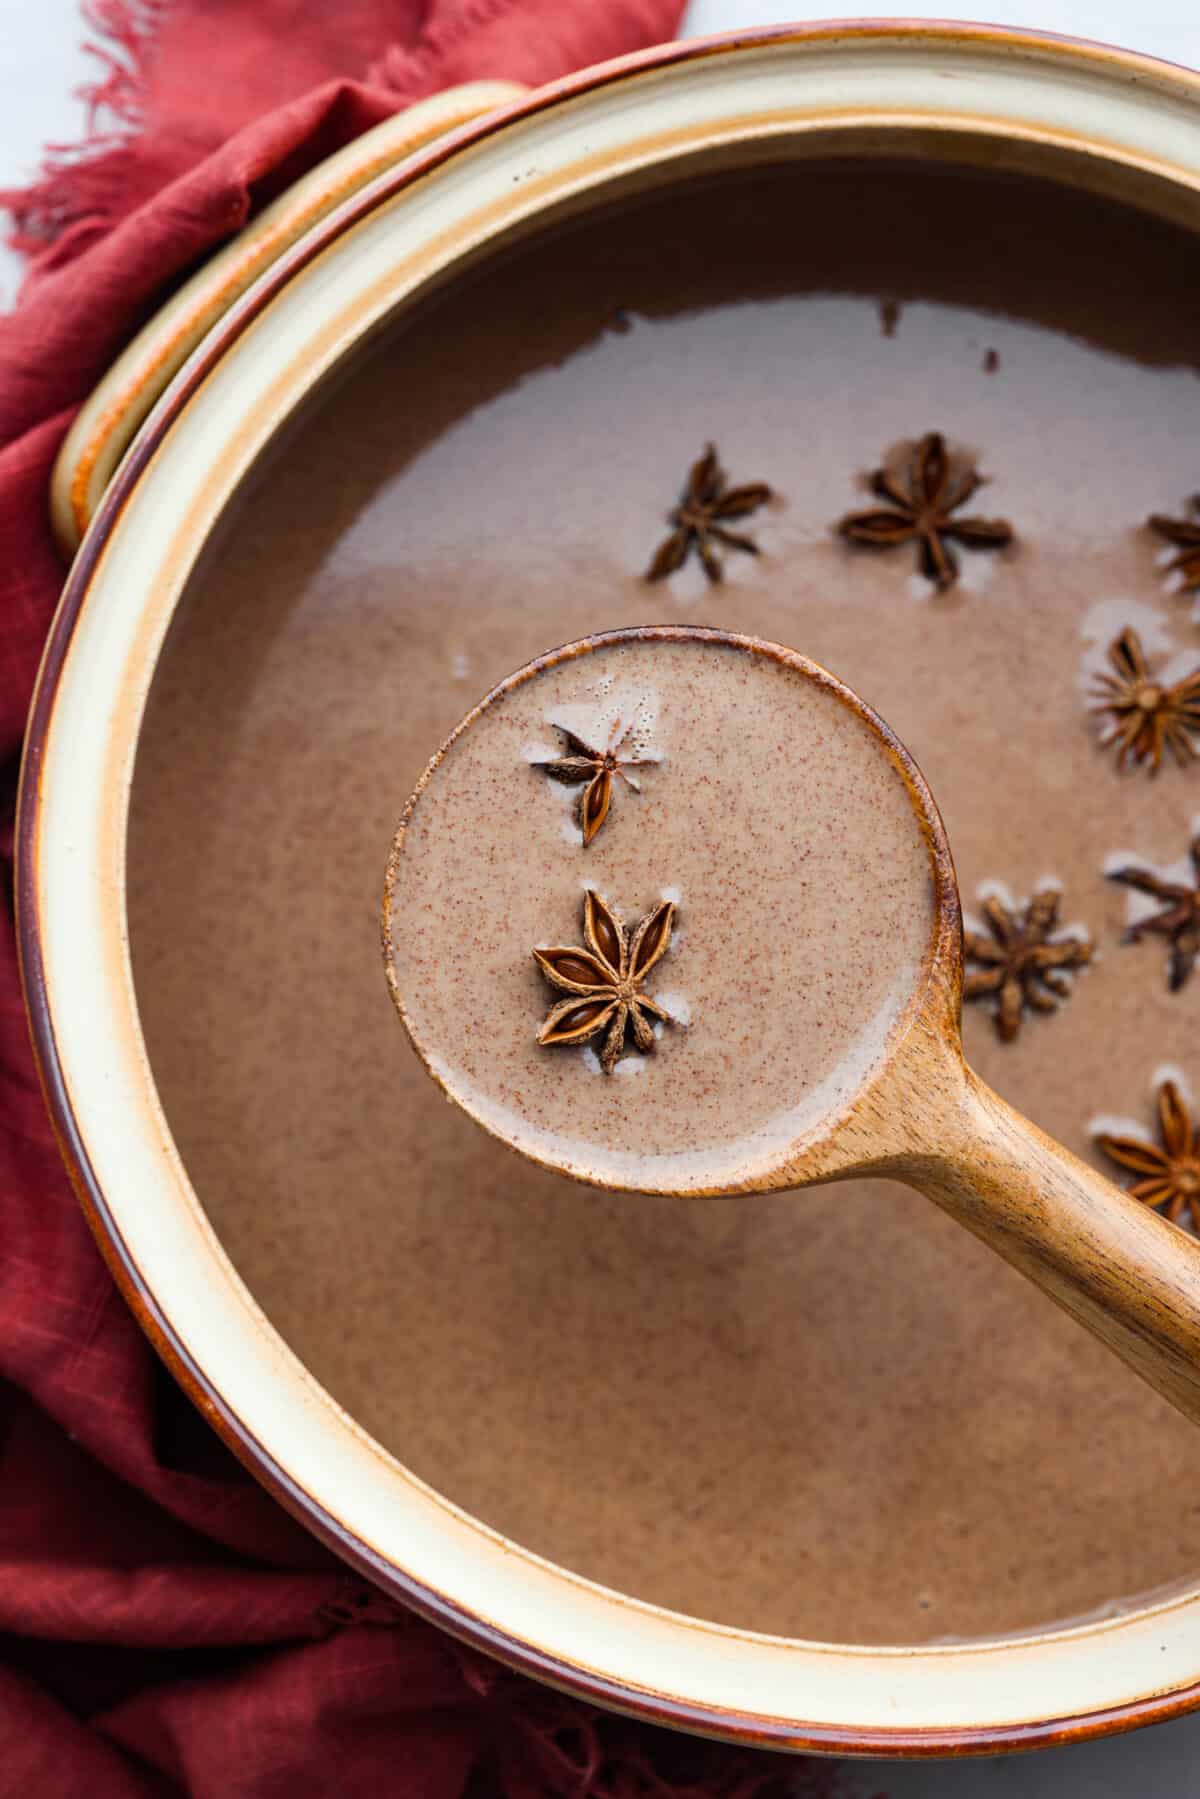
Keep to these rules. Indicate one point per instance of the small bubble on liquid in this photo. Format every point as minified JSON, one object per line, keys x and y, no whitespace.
{"x":534,"y":752}
{"x":1116,"y":1124}
{"x":1119,"y":859}
{"x":999,"y":890}
{"x":976,"y":575}
{"x":1170,"y":1071}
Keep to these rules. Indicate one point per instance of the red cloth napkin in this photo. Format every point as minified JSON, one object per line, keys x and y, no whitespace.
{"x":165,"y":1628}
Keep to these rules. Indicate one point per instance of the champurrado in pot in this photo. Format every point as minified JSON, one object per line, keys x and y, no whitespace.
{"x":830,"y":1414}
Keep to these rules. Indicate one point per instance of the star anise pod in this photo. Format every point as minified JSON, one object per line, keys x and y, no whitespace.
{"x":922,"y":505}
{"x":605,"y":980}
{"x":1170,"y":1176}
{"x":595,"y":767}
{"x":1184,"y":535}
{"x":1179,"y":920}
{"x":1022,"y":962}
{"x":698,"y":520}
{"x":1146,"y":717}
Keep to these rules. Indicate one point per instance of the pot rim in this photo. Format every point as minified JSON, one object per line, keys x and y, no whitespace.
{"x":791,"y":1662}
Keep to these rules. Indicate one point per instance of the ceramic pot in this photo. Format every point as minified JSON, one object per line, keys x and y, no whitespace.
{"x":1091,"y":119}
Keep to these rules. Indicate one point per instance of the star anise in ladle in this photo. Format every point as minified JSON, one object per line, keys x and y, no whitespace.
{"x":922,"y":507}
{"x":604,"y":981}
{"x":597,"y":768}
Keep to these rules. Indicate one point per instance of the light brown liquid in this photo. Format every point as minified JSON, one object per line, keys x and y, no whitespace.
{"x":767,"y":810}
{"x":830,"y":1413}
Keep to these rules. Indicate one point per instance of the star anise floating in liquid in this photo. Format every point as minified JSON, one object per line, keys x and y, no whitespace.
{"x":922,"y":507}
{"x":1184,"y":536}
{"x":597,"y":768}
{"x":604,"y":981}
{"x":1169,"y":1176}
{"x":1178,"y":921}
{"x":1023,"y":962}
{"x":700,"y":521}
{"x":1145,"y":716}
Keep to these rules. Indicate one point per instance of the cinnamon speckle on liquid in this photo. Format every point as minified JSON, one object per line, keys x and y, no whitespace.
{"x":786,"y":842}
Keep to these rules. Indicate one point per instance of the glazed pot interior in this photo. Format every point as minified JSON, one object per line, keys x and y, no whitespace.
{"x":688,"y":1404}
{"x":829,"y":1418}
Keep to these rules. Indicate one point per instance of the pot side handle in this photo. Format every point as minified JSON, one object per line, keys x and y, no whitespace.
{"x":109,"y":419}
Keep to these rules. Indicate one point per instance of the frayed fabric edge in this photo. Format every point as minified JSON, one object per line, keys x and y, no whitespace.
{"x":408,"y":71}
{"x":65,"y":193}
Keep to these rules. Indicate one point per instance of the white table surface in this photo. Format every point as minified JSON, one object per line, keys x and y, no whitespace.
{"x":41,"y":65}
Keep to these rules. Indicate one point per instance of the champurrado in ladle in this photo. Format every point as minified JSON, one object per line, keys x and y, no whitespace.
{"x":778,"y":885}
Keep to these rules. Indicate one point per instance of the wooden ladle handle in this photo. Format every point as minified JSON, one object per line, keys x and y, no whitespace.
{"x":1127,"y":1274}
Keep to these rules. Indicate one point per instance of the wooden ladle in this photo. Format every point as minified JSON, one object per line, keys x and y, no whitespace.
{"x":917,"y":1115}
